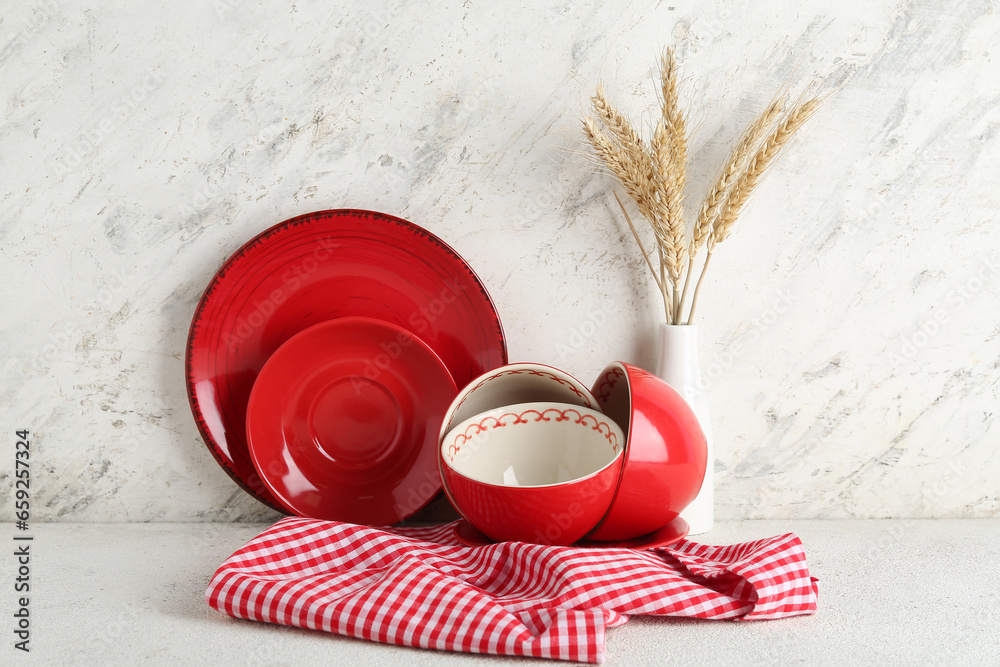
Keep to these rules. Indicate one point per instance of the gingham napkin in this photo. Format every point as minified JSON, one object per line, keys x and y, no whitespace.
{"x":420,"y":587}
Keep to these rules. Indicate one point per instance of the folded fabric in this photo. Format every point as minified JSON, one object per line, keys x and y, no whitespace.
{"x":421,"y":587}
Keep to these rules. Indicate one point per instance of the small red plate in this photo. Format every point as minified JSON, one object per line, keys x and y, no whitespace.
{"x":315,"y":268}
{"x":672,"y":533}
{"x":343,"y":420}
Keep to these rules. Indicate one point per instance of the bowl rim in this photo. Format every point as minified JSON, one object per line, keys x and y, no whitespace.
{"x":626,"y":449}
{"x":473,"y":385}
{"x":619,"y":451}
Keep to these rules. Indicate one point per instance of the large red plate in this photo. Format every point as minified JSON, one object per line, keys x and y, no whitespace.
{"x":343,"y":422}
{"x":318,"y":267}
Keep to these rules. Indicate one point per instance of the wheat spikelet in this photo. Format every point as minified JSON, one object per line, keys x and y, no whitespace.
{"x":710,"y":209}
{"x":673,"y":116}
{"x":623,"y":134}
{"x":621,"y":129}
{"x":660,"y":154}
{"x":669,"y":209}
{"x":632,"y":176}
{"x":756,"y":169}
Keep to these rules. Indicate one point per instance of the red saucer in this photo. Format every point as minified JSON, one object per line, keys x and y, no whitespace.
{"x":343,"y":420}
{"x":670,"y":534}
{"x":314,"y":268}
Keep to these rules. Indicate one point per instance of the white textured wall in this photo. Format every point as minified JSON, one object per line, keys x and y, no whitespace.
{"x":142,"y":145}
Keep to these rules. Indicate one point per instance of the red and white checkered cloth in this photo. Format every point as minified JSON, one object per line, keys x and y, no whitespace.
{"x":420,"y":587}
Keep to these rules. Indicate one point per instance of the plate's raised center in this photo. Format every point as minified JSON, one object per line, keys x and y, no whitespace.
{"x":355,"y":421}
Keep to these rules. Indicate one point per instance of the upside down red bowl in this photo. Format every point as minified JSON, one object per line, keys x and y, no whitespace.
{"x":665,"y":452}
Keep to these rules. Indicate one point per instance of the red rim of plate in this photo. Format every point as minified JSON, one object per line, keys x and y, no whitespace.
{"x":450,"y":310}
{"x":340,"y":430}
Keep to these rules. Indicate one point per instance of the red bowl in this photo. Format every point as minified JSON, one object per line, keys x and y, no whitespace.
{"x":665,"y":452}
{"x":543,"y":473}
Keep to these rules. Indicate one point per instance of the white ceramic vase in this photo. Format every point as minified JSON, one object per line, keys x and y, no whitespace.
{"x":678,"y":365}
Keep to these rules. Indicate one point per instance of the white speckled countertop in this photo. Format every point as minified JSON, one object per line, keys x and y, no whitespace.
{"x":891,"y":593}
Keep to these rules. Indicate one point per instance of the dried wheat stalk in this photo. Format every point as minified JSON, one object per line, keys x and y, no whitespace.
{"x":669,"y":149}
{"x":750,"y":178}
{"x":653,"y":174}
{"x":667,"y":306}
{"x":741,"y":154}
{"x":756,"y":168}
{"x":621,"y":129}
{"x":673,"y":116}
{"x":716,"y":197}
{"x":623,"y":165}
{"x":669,"y":210}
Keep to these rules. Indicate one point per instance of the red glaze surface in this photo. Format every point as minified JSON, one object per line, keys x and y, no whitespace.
{"x":559,"y":514}
{"x":672,"y":533}
{"x":315,"y":268}
{"x":343,"y":420}
{"x":665,"y":452}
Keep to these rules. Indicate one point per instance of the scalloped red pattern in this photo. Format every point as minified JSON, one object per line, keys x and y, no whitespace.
{"x":547,"y":415}
{"x":603,"y":390}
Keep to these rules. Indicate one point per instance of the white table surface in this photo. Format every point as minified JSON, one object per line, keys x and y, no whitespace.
{"x":891,"y":593}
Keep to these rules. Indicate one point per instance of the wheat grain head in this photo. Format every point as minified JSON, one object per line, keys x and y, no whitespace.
{"x":669,"y":197}
{"x":741,"y":154}
{"x":673,"y":116}
{"x":623,"y":166}
{"x":757,"y":167}
{"x":620,"y":127}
